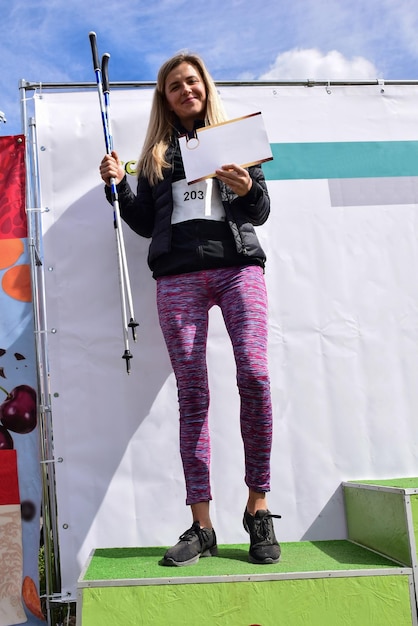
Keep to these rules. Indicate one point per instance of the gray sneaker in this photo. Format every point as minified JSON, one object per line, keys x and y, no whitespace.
{"x":194,"y":543}
{"x":264,"y":548}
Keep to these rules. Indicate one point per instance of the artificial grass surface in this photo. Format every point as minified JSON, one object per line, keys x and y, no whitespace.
{"x":302,"y":556}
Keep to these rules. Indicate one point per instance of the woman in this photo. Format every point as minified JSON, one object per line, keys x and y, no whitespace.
{"x":199,"y":260}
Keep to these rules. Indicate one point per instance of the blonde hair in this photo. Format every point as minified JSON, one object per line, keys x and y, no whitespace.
{"x":152,"y":161}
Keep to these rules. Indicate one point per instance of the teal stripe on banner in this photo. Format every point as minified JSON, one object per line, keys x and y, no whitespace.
{"x":357,"y":159}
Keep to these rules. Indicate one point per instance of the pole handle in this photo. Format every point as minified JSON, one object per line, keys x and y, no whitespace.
{"x":105,"y":72}
{"x":94,"y":51}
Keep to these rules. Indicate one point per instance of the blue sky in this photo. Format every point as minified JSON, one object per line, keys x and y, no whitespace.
{"x":47,"y":40}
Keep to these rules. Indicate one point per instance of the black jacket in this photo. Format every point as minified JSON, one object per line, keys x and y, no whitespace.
{"x":148,"y":213}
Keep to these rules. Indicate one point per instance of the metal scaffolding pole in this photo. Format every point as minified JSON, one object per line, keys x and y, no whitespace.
{"x":49,"y":500}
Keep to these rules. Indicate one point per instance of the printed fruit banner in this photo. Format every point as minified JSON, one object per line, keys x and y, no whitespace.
{"x":20,"y":483}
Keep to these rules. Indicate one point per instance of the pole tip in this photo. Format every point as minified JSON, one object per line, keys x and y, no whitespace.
{"x":127,"y":356}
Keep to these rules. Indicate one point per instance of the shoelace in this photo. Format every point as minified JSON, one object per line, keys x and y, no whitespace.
{"x":191,"y":532}
{"x":262,"y":527}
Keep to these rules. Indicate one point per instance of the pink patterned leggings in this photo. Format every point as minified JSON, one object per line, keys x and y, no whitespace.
{"x":183,"y":304}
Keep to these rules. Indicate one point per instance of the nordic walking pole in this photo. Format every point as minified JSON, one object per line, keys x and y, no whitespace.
{"x":122,"y":265}
{"x":119,"y":231}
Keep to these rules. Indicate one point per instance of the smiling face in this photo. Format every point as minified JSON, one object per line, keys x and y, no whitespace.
{"x":185,"y":93}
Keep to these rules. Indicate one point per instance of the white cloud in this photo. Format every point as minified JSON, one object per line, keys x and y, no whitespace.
{"x":303,"y":64}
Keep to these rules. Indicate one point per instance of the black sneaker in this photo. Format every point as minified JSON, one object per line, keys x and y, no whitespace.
{"x":264,"y":548}
{"x":193,"y":544}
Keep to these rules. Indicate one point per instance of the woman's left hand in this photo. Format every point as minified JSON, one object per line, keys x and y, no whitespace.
{"x":236,"y":177}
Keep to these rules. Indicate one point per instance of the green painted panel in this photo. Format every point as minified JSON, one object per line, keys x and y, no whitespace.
{"x":377,"y":520}
{"x":352,"y":601}
{"x":362,"y":159}
{"x":399,"y":483}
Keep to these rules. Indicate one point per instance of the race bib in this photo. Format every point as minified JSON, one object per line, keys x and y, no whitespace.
{"x":201,"y":200}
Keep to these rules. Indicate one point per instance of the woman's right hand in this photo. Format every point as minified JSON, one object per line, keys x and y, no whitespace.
{"x":110,"y":167}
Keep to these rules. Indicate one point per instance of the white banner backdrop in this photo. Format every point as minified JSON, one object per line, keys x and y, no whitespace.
{"x":341,"y":273}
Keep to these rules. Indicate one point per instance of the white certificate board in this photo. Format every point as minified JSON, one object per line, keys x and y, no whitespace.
{"x":242,"y":140}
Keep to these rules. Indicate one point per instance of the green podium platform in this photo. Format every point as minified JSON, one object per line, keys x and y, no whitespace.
{"x":383,"y":516}
{"x":323,"y":583}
